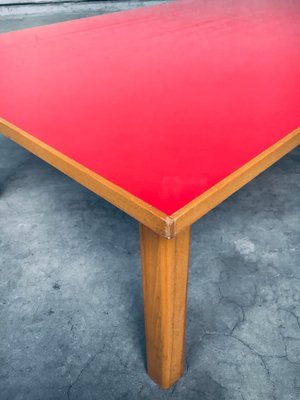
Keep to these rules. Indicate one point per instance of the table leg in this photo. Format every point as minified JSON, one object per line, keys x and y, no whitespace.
{"x":165,"y":276}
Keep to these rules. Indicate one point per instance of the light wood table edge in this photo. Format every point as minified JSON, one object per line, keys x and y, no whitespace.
{"x":161,"y":223}
{"x":204,"y":203}
{"x":143,"y":212}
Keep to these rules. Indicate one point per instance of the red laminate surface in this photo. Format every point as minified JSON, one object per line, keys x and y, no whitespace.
{"x":164,"y":101}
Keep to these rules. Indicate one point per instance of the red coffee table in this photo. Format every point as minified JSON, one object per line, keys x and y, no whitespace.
{"x":165,"y":112}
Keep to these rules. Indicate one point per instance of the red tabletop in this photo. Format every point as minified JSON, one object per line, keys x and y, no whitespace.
{"x":164,"y":101}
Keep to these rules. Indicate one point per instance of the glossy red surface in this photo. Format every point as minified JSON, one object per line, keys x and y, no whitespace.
{"x":164,"y":101}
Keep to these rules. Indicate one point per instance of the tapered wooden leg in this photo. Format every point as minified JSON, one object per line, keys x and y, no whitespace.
{"x":165,"y":275}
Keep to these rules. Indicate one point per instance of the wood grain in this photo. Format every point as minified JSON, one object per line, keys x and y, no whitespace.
{"x":135,"y":207}
{"x":200,"y":206}
{"x":165,"y":276}
{"x":166,"y":225}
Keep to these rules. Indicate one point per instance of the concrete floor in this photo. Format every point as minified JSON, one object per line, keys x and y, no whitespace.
{"x":71,"y":307}
{"x":18,"y":15}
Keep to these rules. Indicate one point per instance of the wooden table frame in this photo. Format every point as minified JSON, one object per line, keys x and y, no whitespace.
{"x":165,"y":243}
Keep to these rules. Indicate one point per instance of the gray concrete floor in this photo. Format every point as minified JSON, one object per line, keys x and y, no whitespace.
{"x":71,"y":307}
{"x":20,"y":15}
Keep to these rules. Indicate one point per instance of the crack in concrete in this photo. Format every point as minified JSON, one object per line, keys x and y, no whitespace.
{"x":87,"y":365}
{"x":253,"y":351}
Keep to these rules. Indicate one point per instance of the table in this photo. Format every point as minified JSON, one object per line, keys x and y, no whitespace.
{"x":163,"y":111}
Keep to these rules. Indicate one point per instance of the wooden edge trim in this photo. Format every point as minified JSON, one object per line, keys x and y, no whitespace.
{"x":127,"y":202}
{"x":159,"y":222}
{"x":202,"y":204}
